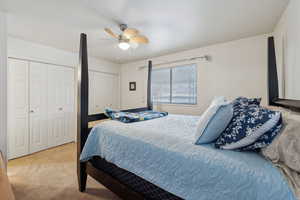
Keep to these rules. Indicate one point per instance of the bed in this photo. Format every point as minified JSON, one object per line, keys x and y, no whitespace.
{"x":162,"y":152}
{"x":156,"y":159}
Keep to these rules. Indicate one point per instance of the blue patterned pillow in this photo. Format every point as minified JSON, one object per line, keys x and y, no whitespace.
{"x":248,"y":125}
{"x":243,"y":102}
{"x":266,"y":138}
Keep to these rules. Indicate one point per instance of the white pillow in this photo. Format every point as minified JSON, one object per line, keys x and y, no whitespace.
{"x":213,"y":121}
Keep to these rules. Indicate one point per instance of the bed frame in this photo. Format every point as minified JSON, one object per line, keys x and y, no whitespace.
{"x":273,"y":89}
{"x":83,"y":118}
{"x":114,"y":184}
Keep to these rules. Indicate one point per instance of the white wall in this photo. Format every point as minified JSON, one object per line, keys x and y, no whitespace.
{"x":27,"y":50}
{"x":287,"y":41}
{"x":3,"y":85}
{"x":237,"y":68}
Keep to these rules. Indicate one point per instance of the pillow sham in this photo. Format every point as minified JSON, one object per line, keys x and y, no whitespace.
{"x":244,"y":101}
{"x":267,"y":138}
{"x":213,"y":121}
{"x":247,"y":126}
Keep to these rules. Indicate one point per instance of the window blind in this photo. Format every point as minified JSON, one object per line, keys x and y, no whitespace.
{"x":175,"y":85}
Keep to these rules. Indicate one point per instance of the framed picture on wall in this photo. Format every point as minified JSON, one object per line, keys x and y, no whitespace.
{"x":132,"y":86}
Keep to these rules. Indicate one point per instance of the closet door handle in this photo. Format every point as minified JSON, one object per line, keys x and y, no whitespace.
{"x":60,"y":108}
{"x":31,"y":111}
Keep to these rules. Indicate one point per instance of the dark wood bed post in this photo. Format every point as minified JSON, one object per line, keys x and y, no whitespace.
{"x":149,"y":98}
{"x":87,"y":168}
{"x":82,"y":109}
{"x":273,"y":89}
{"x":272,"y":73}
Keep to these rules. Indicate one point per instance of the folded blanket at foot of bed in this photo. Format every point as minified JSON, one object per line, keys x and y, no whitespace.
{"x":129,"y":117}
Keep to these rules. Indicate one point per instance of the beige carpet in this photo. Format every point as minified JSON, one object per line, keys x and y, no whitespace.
{"x":51,"y":174}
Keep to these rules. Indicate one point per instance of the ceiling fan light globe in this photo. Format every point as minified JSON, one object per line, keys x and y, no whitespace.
{"x":124,"y":45}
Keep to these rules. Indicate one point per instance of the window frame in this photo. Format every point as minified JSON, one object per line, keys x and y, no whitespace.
{"x":171,"y":85}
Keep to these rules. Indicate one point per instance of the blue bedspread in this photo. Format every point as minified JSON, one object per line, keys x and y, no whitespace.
{"x":162,"y":152}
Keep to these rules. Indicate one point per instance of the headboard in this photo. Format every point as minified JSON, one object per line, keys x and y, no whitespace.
{"x":273,"y":89}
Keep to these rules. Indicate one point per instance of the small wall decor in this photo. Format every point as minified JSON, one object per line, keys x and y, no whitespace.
{"x":132,"y":86}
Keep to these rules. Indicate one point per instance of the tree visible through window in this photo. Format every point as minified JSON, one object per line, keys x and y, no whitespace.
{"x":175,"y":85}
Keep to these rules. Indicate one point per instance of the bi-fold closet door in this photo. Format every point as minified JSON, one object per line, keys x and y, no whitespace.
{"x":103,"y":91}
{"x":61,"y":101}
{"x":18,"y":108}
{"x":38,"y":112}
{"x":41,"y":109}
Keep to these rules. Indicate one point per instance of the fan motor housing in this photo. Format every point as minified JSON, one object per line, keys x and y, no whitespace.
{"x":123,"y":27}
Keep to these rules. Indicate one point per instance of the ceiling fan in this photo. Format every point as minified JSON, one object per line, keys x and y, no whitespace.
{"x":129,"y":37}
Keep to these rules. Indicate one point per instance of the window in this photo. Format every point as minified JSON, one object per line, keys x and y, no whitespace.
{"x":175,"y":85}
{"x":161,"y":85}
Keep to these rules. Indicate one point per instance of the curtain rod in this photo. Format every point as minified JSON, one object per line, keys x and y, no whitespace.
{"x":205,"y":57}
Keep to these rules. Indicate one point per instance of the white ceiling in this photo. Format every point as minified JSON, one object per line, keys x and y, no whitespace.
{"x":171,"y":25}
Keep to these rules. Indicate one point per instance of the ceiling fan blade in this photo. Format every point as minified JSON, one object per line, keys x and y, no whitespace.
{"x":139,"y":39}
{"x":107,"y":30}
{"x":130,"y":32}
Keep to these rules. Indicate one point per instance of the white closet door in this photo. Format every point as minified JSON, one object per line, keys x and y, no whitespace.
{"x":101,"y":91}
{"x":110,"y":91}
{"x":38,"y":107}
{"x":56,"y":116}
{"x":91,"y":93}
{"x":115,"y":94}
{"x":69,"y":105}
{"x":18,"y":108}
{"x":106,"y":89}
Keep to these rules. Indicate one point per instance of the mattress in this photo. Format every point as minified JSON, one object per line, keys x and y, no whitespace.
{"x":161,"y":151}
